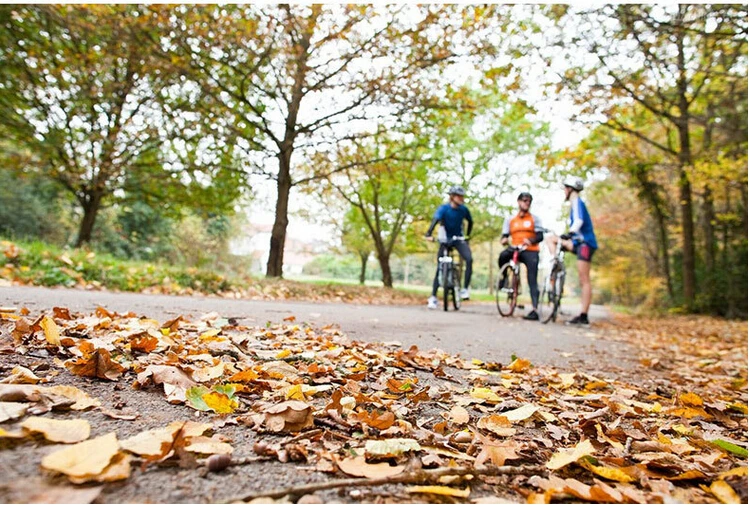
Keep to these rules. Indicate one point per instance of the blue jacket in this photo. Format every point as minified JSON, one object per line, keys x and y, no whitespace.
{"x":581,"y":226}
{"x":452,"y":220}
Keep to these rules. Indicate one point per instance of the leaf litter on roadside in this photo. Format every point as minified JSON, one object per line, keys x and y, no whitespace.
{"x":377,"y":411}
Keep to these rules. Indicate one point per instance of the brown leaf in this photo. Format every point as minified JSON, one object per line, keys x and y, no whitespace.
{"x":498,"y":452}
{"x":98,"y":364}
{"x":12,"y":410}
{"x":289,"y":416}
{"x":358,"y":466}
{"x":459,"y":415}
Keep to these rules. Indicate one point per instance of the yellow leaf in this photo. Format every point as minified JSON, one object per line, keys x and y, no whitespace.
{"x":209,"y":333}
{"x":51,"y":332}
{"x":283,"y":354}
{"x":294,"y":392}
{"x":87,"y":458}
{"x":688,"y":412}
{"x":244,"y":376}
{"x":690,"y":399}
{"x":58,"y":431}
{"x":724,"y":492}
{"x":567,"y":456}
{"x":220,"y":403}
{"x":610,"y":473}
{"x":519,"y":365}
{"x":440,"y":490}
{"x":485,"y":394}
{"x":736,"y":471}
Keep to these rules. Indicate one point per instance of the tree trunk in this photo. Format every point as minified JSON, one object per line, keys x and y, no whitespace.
{"x":687,"y":235}
{"x":387,"y":274}
{"x":708,"y":229}
{"x":91,"y":205}
{"x":363,"y":272}
{"x":278,"y":234}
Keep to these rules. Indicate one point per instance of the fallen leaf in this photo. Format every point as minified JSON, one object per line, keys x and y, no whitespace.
{"x":154,"y":443}
{"x":82,"y":399}
{"x":98,"y":364}
{"x":58,"y":431}
{"x":381,"y":420}
{"x":459,"y":415}
{"x":730,"y":447}
{"x":440,"y":490}
{"x":691,"y":399}
{"x":724,"y":492}
{"x":118,"y":469}
{"x":567,"y":456}
{"x":497,"y":452}
{"x":41,"y":491}
{"x":12,"y":410}
{"x":208,"y":446}
{"x":51,"y":331}
{"x":358,"y":466}
{"x":519,"y":365}
{"x":498,"y":424}
{"x":522,"y":413}
{"x":87,"y":458}
{"x":21,"y":376}
{"x":387,"y":448}
{"x":289,"y":416}
{"x":485,"y":394}
{"x":610,"y":473}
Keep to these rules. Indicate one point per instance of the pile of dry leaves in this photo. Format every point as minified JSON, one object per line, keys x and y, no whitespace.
{"x":439,"y":427}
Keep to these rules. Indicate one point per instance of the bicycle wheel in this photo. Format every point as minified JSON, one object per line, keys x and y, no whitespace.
{"x":506,"y":295}
{"x":548,"y":304}
{"x":446,"y":282}
{"x":456,"y":289}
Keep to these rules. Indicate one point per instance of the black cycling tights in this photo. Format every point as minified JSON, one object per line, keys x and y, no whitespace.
{"x":530,"y":259}
{"x":465,"y":252}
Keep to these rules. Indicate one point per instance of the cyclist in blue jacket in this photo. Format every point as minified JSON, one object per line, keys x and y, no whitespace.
{"x":581,"y":240}
{"x":451,"y":216}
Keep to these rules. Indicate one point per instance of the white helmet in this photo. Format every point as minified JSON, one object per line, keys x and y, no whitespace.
{"x":574,"y":182}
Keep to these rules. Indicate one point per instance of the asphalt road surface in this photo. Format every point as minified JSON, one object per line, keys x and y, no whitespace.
{"x":476,"y":331}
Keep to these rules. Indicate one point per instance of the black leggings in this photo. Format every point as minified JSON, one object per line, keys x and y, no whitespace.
{"x":465,"y":252}
{"x":530,"y":259}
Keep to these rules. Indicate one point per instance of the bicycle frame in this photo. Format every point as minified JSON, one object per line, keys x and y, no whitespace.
{"x":553,"y":287}
{"x":450,"y":272}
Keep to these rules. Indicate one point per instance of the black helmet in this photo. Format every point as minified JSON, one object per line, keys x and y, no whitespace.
{"x":457,"y":190}
{"x":525,"y":195}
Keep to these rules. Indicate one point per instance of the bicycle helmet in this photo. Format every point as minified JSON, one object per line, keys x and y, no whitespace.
{"x":576,"y":183}
{"x":457,"y":190}
{"x":525,"y":195}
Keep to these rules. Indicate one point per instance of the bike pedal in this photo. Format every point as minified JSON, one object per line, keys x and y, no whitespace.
{"x":520,"y":306}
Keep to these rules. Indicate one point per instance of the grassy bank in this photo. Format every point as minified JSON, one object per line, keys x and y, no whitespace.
{"x":40,"y":264}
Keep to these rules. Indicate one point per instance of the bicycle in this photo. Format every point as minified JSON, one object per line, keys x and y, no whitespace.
{"x":508,"y":283}
{"x":553,"y":288}
{"x":450,"y":273}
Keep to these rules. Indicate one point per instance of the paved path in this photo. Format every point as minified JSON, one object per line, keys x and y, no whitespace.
{"x":476,"y":331}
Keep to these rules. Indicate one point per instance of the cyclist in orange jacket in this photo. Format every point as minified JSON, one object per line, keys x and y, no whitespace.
{"x":524,"y":229}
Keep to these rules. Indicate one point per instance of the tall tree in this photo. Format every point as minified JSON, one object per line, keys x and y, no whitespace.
{"x":294,"y":81}
{"x":78,"y":93}
{"x":672,"y":61}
